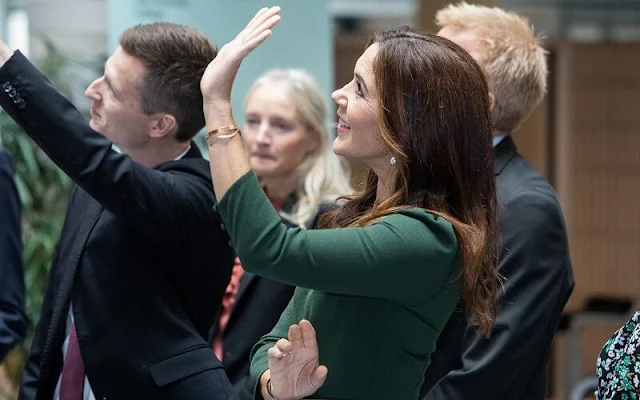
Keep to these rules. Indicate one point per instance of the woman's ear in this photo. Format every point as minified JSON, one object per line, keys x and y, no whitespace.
{"x":492,"y":101}
{"x":314,"y":140}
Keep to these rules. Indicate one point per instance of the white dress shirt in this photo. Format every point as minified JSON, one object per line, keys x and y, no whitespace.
{"x":497,"y":139}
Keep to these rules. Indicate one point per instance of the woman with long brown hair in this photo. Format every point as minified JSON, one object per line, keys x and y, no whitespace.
{"x":382,"y":278}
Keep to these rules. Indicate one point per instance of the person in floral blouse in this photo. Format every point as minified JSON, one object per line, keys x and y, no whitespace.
{"x":618,"y":366}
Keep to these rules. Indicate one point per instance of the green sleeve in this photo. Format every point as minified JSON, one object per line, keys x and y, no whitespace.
{"x":405,"y":257}
{"x":259,"y":360}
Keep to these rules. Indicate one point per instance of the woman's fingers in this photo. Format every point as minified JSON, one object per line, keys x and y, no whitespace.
{"x":256,"y":32}
{"x":295,"y":337}
{"x":254,"y":21}
{"x":308,"y":334}
{"x":274,"y":353}
{"x":260,"y":22}
{"x":256,"y":41}
{"x":266,"y":25}
{"x":261,"y":33}
{"x":284,"y":346}
{"x":281,"y":349}
{"x":319,"y":376}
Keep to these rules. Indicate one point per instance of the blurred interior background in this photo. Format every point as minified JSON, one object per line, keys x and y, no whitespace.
{"x":584,"y":137}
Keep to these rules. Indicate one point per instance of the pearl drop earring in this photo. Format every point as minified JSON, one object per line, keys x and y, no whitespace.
{"x":392,"y":161}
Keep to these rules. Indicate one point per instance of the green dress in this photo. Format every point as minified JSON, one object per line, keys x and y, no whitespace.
{"x":378,"y":296}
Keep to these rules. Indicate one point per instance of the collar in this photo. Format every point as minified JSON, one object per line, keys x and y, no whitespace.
{"x":497,"y":139}
{"x":183,"y":153}
{"x":504,"y":152}
{"x":283,"y":205}
{"x":117,"y":150}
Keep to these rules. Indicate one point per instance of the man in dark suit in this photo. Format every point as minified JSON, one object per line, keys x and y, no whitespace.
{"x":142,"y":258}
{"x":535,"y":256}
{"x":13,"y":318}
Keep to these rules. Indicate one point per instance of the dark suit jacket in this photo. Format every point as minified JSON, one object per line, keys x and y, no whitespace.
{"x":258,"y":305}
{"x":13,"y":319}
{"x":539,"y":280}
{"x":141,"y":257}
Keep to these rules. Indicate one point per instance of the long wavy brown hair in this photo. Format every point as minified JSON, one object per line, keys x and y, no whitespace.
{"x":433,"y":112}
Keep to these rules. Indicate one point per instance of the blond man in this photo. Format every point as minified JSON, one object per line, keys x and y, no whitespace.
{"x":535,"y":256}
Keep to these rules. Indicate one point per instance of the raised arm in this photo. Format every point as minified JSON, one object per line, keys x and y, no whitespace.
{"x":416,"y":244}
{"x":123,"y":186}
{"x":406,"y":257}
{"x":228,"y":159}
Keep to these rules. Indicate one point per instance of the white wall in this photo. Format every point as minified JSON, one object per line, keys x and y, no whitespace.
{"x":77,"y":27}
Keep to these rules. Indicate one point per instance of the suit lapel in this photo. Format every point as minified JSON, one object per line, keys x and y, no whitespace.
{"x":89,"y":211}
{"x":245,"y":283}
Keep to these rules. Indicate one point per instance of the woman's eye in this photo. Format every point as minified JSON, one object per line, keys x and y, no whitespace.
{"x":359,"y":89}
{"x":282,"y":127}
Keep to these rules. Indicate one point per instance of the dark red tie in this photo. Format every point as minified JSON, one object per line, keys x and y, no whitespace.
{"x":72,"y":380}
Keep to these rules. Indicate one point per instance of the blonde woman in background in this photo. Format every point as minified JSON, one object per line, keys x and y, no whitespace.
{"x":289,"y":149}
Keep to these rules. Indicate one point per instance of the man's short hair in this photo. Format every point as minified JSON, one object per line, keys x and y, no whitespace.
{"x":511,"y":55}
{"x":175,"y":58}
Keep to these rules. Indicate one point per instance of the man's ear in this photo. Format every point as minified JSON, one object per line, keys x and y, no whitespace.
{"x":161,"y":125}
{"x":492,"y":101}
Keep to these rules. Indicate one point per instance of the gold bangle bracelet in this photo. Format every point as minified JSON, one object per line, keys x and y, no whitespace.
{"x":224,"y":132}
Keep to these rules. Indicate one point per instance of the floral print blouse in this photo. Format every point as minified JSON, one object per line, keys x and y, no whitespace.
{"x":618,"y":366}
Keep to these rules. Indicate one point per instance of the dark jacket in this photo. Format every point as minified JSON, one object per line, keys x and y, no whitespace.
{"x":13,"y":318}
{"x":535,"y":261}
{"x":141,"y":257}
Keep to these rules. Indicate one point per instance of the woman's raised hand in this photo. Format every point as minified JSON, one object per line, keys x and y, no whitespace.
{"x":218,"y":78}
{"x":294,"y":364}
